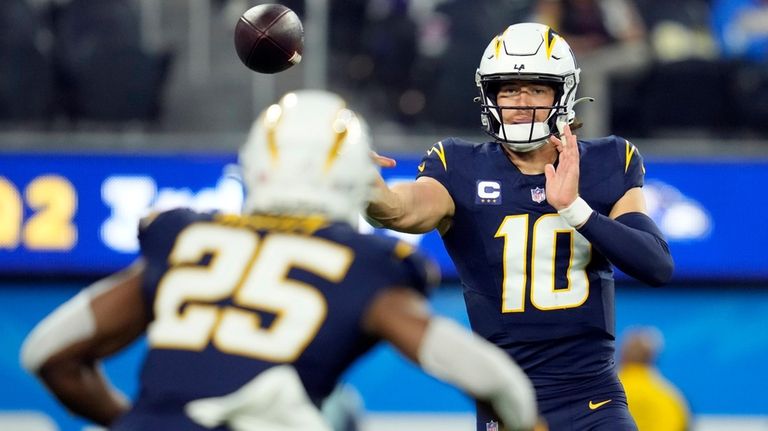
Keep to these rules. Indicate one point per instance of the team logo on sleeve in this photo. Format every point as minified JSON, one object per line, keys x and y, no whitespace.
{"x":488,"y":192}
{"x":492,"y":426}
{"x":630,"y":151}
{"x":538,"y":195}
{"x":440,"y":151}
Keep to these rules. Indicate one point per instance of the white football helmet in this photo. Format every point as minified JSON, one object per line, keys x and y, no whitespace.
{"x":531,"y":52}
{"x":306,"y":155}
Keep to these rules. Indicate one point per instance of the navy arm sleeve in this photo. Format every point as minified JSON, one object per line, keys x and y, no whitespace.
{"x":633,"y":243}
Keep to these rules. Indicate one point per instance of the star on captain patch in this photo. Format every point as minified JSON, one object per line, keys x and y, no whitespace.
{"x":538,"y":195}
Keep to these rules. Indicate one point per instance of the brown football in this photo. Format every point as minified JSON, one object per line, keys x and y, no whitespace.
{"x":269,"y":38}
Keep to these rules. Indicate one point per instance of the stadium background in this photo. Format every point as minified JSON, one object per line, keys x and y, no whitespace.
{"x":78,"y":168}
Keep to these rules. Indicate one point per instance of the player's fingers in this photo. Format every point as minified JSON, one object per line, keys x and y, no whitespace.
{"x":565,"y":149}
{"x":568,"y":158}
{"x":384,"y":162}
{"x":568,"y":137}
{"x":556,"y":142}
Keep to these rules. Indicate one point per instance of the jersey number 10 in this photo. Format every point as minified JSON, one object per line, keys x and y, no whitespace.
{"x":545,"y":295}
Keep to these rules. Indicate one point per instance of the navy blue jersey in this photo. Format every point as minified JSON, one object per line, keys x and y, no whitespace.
{"x":532,"y":284}
{"x":232,"y":296}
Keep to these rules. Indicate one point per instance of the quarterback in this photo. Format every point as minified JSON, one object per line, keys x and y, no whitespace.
{"x":533,"y":220}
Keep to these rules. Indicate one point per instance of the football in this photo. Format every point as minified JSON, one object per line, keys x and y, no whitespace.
{"x":269,"y":38}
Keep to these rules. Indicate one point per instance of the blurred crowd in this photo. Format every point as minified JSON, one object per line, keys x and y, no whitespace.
{"x":656,"y":66}
{"x":77,"y":61}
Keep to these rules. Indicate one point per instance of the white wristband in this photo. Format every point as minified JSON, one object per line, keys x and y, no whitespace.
{"x":577,"y":213}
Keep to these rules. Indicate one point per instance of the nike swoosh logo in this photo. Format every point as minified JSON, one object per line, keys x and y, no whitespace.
{"x":421,"y":167}
{"x":595,"y":406}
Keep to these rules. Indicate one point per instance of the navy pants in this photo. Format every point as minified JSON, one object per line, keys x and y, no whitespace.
{"x":602,"y":407}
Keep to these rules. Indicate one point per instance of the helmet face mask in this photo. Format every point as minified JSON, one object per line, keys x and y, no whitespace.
{"x":527,"y":52}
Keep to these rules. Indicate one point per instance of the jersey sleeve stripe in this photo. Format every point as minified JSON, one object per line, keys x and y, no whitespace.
{"x":629,"y":152}
{"x":438,"y":148}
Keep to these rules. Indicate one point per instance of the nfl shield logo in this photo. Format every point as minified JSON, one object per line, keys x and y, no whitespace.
{"x":538,"y":195}
{"x":492,"y":426}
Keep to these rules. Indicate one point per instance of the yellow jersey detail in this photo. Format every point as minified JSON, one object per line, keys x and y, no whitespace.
{"x":440,"y":151}
{"x":306,"y":225}
{"x":595,"y":406}
{"x":403,"y":250}
{"x":421,"y":166}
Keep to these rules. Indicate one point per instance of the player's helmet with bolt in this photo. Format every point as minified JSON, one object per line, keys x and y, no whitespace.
{"x":529,"y":52}
{"x":308,"y":154}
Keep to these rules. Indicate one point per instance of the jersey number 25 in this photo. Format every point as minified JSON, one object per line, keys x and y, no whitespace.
{"x":252,"y":271}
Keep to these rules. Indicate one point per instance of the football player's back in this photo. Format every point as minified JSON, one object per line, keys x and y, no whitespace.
{"x":256,"y":316}
{"x":256,"y":292}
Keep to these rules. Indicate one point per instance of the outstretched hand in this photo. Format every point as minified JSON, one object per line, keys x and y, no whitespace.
{"x":380,"y":186}
{"x":383,"y":161}
{"x":563,"y":183}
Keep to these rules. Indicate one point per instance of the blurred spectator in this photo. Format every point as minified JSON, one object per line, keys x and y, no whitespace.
{"x":78,"y":59}
{"x":591,"y":24}
{"x":451,"y":40}
{"x":700,"y":93}
{"x":609,"y":38}
{"x":105,"y":74}
{"x":389,"y":37}
{"x":679,"y":30}
{"x":655,"y":403}
{"x":741,"y":28}
{"x":26,"y":77}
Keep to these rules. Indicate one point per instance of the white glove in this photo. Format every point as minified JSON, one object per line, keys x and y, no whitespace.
{"x":275,"y":400}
